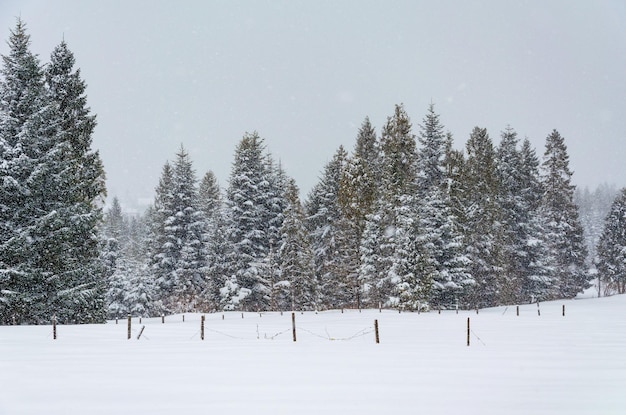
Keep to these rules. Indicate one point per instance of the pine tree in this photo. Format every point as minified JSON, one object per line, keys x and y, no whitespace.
{"x":482,"y":218}
{"x":21,"y":100}
{"x":380,"y":248}
{"x":247,"y":199}
{"x":358,"y":192}
{"x":162,"y":253}
{"x":186,"y":230}
{"x":536,"y":261}
{"x":612,"y":247}
{"x":297,"y":274}
{"x":81,"y":175}
{"x":334,"y":248}
{"x":443,"y":259}
{"x":54,"y":192}
{"x":218,"y":248}
{"x":564,"y":231}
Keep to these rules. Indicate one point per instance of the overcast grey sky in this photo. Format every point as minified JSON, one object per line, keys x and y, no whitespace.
{"x":305,"y":74}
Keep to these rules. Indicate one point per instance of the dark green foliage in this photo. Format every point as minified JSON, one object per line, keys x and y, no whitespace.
{"x":50,"y":250}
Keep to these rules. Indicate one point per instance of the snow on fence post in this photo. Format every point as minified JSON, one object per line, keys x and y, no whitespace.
{"x":376,"y":331}
{"x":293,"y":325}
{"x":162,"y":318}
{"x":468,"y":331}
{"x":54,"y":327}
{"x":115,"y":319}
{"x":202,"y":327}
{"x":129,"y":319}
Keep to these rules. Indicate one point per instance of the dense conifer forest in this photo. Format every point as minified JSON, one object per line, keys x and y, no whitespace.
{"x":402,"y":220}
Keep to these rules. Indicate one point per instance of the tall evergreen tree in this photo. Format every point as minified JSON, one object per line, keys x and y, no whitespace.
{"x":21,"y":99}
{"x":296,"y":256}
{"x":564,"y":231}
{"x":358,"y":193}
{"x":482,"y":218}
{"x":186,"y":230}
{"x":536,"y":261}
{"x":612,"y":247}
{"x":380,"y":246}
{"x":444,"y":260}
{"x":333,"y":246}
{"x":162,"y":254}
{"x":178,"y":227}
{"x":247,"y":199}
{"x":58,"y":187}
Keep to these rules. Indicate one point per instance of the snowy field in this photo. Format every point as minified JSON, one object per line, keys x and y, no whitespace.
{"x":526,"y":364}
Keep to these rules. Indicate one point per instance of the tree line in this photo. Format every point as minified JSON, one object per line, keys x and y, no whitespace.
{"x":403,"y":220}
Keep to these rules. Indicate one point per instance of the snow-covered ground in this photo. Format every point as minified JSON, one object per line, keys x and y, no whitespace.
{"x":526,"y":364}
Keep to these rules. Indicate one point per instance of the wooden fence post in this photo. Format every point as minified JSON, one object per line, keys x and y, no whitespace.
{"x":563,"y":310}
{"x":517,"y":310}
{"x":140,"y":332}
{"x":538,"y":309}
{"x":202,"y":327}
{"x":293,"y":325}
{"x":54,"y":327}
{"x":162,"y":318}
{"x":376,"y":331}
{"x":129,"y":319}
{"x":468,"y":331}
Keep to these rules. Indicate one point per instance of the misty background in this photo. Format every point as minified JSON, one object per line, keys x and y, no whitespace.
{"x":305,"y":74}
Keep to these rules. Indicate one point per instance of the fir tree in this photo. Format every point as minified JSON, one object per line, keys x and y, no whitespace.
{"x":247,"y":199}
{"x":564,"y":231}
{"x":56,"y":187}
{"x":186,"y":231}
{"x":482,"y":218}
{"x":295,"y":257}
{"x":380,"y":248}
{"x":443,"y":262}
{"x":335,"y":250}
{"x":21,"y":99}
{"x":612,"y":247}
{"x":535,"y":257}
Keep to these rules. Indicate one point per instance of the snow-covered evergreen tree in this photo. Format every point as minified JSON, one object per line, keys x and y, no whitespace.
{"x":53,"y":193}
{"x":381,"y":248}
{"x":186,"y":230}
{"x":162,"y":254}
{"x":444,"y":260}
{"x":297,"y":286}
{"x":178,"y":227}
{"x":536,"y":261}
{"x":612,"y":248}
{"x":564,"y":231}
{"x":247,"y":199}
{"x":335,"y":249}
{"x":482,"y":217}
